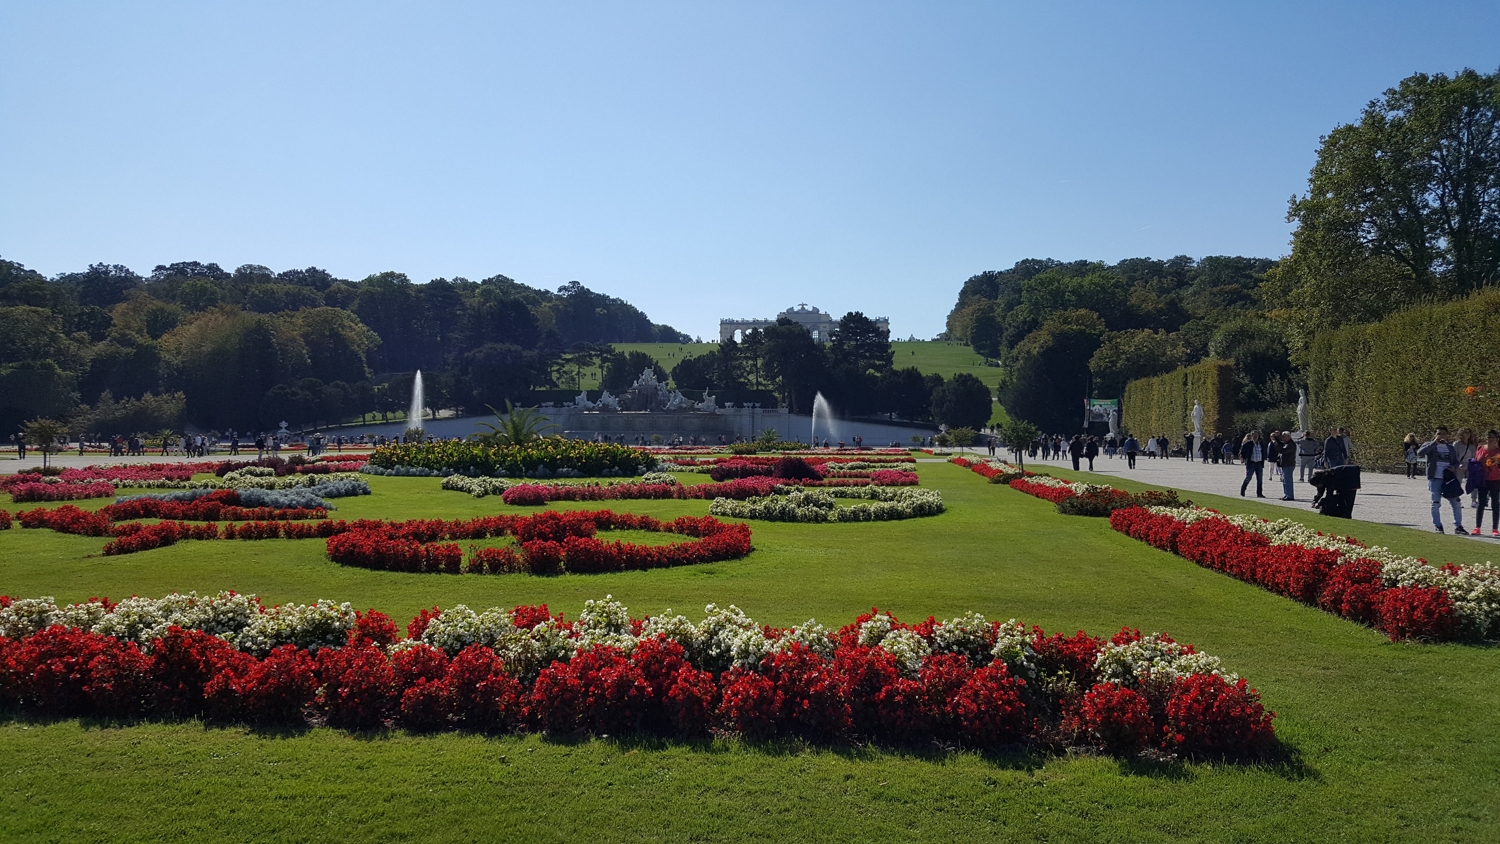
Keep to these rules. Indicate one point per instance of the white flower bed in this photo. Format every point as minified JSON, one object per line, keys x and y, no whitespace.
{"x":819,"y":505}
{"x":478,"y":487}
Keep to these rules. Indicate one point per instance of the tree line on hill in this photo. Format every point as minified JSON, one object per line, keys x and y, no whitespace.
{"x":855,"y":371}
{"x":115,"y":352}
{"x":1402,"y":209}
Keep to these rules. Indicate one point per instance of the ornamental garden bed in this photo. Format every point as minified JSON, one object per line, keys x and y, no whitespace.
{"x":880,"y":504}
{"x":1403,"y":596}
{"x":965,"y":682}
{"x":546,"y":543}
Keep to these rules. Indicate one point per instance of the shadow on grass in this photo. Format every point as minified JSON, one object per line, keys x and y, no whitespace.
{"x":1285,"y":762}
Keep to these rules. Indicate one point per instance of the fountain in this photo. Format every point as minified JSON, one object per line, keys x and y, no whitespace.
{"x":414,"y":414}
{"x":822,"y":410}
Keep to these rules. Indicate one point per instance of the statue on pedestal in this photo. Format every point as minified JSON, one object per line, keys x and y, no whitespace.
{"x":607,"y":402}
{"x":1302,"y":411}
{"x":1198,"y":421}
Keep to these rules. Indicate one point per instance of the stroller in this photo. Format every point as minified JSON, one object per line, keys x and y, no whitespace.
{"x":1336,"y":488}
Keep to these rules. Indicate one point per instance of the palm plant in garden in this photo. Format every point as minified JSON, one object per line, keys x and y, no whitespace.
{"x":517,"y":426}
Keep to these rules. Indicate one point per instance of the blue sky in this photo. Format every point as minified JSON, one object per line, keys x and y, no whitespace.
{"x":700,"y":160}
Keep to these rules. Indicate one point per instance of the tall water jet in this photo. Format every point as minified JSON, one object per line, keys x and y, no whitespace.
{"x":418,"y":403}
{"x":822,"y":417}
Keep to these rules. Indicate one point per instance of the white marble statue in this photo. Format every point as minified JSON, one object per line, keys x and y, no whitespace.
{"x":583,"y":401}
{"x":1198,"y":421}
{"x":1114,"y":422}
{"x":607,"y":402}
{"x":710,"y":404}
{"x":1302,"y":411}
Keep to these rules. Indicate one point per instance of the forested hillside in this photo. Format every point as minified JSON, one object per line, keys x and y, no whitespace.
{"x":114,"y":351}
{"x":1067,"y":331}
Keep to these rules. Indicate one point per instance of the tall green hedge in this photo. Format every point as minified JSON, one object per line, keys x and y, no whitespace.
{"x":1409,"y":374}
{"x":1164,"y":404}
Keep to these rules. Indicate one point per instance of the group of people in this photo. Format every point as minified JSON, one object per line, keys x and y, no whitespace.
{"x":1457,"y":467}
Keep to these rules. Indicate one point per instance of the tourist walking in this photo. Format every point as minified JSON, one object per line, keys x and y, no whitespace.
{"x":1465,"y":446}
{"x":1090,"y":451}
{"x":1309,"y":450}
{"x":1488,"y":458}
{"x":1442,"y":481}
{"x":1287,"y":460}
{"x":1131,"y":447}
{"x":1335,"y":453}
{"x":1254,"y":457}
{"x":1188,"y":439}
{"x":1409,"y":448}
{"x":1075,"y":449}
{"x":1229,"y":451}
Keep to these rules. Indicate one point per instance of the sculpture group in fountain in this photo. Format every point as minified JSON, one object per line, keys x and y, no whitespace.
{"x":648,"y":394}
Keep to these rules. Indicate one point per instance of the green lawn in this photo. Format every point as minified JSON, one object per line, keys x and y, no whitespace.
{"x":1385,"y":741}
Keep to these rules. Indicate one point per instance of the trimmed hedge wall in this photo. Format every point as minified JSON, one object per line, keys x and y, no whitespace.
{"x":1164,"y":404}
{"x":1408,"y":374}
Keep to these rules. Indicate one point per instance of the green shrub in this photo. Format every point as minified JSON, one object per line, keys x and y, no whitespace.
{"x":1164,"y":404}
{"x":1408,"y":373}
{"x":546,"y":456}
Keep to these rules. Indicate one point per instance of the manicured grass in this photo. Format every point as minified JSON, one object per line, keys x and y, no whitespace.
{"x":1385,"y":741}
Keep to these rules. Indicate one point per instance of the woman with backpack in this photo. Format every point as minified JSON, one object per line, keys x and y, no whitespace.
{"x":1442,"y":480}
{"x":1409,"y":448}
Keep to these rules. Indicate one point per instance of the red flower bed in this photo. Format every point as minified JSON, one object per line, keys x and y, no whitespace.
{"x":1055,"y":494}
{"x":27,"y":492}
{"x":859,"y":692}
{"x":548,"y":542}
{"x":1315,"y":576}
{"x":4,"y":520}
{"x":65,"y":519}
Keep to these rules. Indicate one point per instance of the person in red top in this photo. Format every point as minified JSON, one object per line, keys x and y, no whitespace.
{"x":1488,"y":456}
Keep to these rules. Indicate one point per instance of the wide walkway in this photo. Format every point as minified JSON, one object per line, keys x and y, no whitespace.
{"x":1384,"y":499}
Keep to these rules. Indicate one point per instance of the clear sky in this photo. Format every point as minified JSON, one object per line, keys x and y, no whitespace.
{"x":699,"y":159}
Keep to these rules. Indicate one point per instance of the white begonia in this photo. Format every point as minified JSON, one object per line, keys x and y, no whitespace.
{"x":226,"y":614}
{"x":26,"y":616}
{"x":478,"y":487}
{"x":311,"y":626}
{"x":136,"y":619}
{"x":970,"y":635}
{"x":1153,"y":660}
{"x":458,"y":627}
{"x":819,"y":505}
{"x":810,"y":635}
{"x":605,"y":622}
{"x":82,"y":616}
{"x":874,"y":631}
{"x":728,"y":637}
{"x":526,"y":652}
{"x":908,"y":648}
{"x":658,"y":478}
{"x":678,"y":628}
{"x":1013,"y":647}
